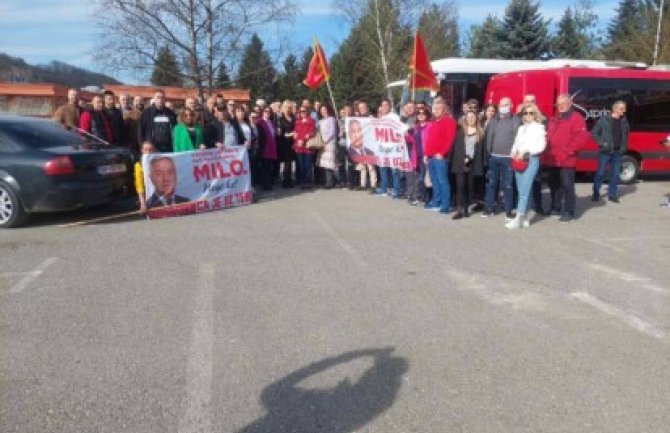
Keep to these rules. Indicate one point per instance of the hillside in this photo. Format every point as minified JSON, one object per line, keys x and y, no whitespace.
{"x":16,"y":69}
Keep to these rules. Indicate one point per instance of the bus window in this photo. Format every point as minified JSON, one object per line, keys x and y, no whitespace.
{"x":648,"y":101}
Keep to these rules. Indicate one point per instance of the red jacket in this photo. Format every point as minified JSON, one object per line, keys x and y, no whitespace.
{"x":566,"y":135}
{"x":100,"y":127}
{"x":440,"y":137}
{"x":302,"y":132}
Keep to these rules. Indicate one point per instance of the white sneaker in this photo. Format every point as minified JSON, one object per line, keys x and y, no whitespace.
{"x":513,"y":224}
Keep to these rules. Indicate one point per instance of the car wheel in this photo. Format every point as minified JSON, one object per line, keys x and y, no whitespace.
{"x":11,"y":210}
{"x":630,"y":169}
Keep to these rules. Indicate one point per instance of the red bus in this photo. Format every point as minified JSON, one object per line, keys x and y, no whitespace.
{"x":593,"y":90}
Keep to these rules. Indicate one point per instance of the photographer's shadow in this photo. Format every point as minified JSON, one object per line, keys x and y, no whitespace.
{"x":342,"y":409}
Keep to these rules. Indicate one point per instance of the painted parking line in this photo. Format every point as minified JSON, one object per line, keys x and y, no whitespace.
{"x":32,"y":276}
{"x":197,"y":415}
{"x":623,"y":316}
{"x":629,"y":277}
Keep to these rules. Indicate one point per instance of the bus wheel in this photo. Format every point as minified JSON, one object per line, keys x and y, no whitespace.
{"x":630,"y":169}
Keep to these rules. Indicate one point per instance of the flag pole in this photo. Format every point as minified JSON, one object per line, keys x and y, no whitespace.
{"x":412,"y":77}
{"x":332,"y":99}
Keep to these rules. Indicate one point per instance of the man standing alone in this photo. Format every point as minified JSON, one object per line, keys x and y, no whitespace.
{"x":611,"y":134}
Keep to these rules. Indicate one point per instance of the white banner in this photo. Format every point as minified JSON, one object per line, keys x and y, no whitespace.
{"x":199,"y":181}
{"x":378,"y":142}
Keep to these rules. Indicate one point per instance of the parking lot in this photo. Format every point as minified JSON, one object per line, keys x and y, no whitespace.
{"x":337,"y":311}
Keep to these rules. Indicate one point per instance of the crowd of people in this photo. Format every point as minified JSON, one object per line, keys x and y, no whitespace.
{"x":479,"y":155}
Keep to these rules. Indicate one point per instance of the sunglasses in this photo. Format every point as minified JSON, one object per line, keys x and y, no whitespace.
{"x":526,"y":113}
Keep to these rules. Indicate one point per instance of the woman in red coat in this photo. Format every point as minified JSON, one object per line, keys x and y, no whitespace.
{"x":305,"y":128}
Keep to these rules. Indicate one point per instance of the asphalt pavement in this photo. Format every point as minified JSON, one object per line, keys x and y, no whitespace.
{"x":337,"y":311}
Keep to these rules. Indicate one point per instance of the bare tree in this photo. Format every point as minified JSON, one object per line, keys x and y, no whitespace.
{"x":201,"y":33}
{"x":386,"y":26}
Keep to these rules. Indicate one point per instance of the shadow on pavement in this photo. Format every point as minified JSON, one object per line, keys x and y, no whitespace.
{"x":342,"y":409}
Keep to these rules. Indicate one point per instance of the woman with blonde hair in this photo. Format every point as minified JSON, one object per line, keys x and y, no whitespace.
{"x":187,"y":135}
{"x":467,"y":162}
{"x":530,"y":142}
{"x":285,"y":142}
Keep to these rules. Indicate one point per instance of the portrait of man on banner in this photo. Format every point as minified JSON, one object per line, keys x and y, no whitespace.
{"x":163,"y":177}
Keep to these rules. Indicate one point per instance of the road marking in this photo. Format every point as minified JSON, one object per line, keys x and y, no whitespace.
{"x":602,"y":243}
{"x":341,"y":242}
{"x":99,"y":219}
{"x":616,"y":312}
{"x":32,"y":276}
{"x":197,"y":416}
{"x":629,"y":277}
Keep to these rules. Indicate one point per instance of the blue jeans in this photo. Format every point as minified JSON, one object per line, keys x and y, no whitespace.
{"x":524,"y":183}
{"x":614,"y":160}
{"x":438,"y":169}
{"x":384,"y":173}
{"x":499,"y":167}
{"x":305,"y":174}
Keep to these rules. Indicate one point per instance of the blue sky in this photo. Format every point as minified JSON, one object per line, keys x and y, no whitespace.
{"x":43,"y":30}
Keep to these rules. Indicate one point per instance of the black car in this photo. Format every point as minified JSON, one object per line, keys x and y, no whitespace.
{"x":46,"y":168}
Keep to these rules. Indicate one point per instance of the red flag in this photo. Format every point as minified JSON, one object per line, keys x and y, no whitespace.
{"x":318,"y":71}
{"x":423,"y":77}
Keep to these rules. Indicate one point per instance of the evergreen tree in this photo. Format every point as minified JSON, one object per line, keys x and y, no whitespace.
{"x":256,"y":71}
{"x":289,"y":79}
{"x":631,"y":35}
{"x":524,"y":31}
{"x":438,"y":26}
{"x":575,"y":36}
{"x":485,"y":39}
{"x":223,"y":80}
{"x":566,"y":44}
{"x":166,"y":70}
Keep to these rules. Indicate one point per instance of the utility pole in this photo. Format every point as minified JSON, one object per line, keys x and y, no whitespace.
{"x":658,"y":32}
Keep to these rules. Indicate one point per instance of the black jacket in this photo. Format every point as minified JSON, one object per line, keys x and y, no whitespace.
{"x":156,"y":126}
{"x":476,"y":165}
{"x":115,"y":118}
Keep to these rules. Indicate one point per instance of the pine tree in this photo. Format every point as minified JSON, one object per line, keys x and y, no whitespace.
{"x":256,"y":71}
{"x":524,"y":31}
{"x":575,"y":36}
{"x":166,"y":70}
{"x":223,"y":80}
{"x":632,"y":32}
{"x":289,"y":79}
{"x":485,"y":39}
{"x":438,"y":26}
{"x":566,"y":42}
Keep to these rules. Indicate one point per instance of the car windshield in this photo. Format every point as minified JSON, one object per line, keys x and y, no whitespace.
{"x":43,"y":133}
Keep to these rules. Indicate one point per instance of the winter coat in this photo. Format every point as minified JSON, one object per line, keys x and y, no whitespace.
{"x":476,"y":166}
{"x":156,"y":126}
{"x":566,"y":135}
{"x":181,"y":140}
{"x":530,"y":138}
{"x":96,"y":123}
{"x":602,"y":134}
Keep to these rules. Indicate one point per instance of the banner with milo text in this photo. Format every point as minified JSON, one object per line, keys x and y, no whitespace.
{"x":194,"y":182}
{"x":377,"y":141}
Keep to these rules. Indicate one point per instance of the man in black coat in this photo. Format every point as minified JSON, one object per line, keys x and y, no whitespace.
{"x":115,"y":118}
{"x":156,"y":124}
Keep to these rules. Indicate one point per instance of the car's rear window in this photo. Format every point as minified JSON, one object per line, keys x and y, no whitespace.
{"x":41,"y":134}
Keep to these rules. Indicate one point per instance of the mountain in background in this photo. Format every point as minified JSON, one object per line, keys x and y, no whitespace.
{"x":15,"y":69}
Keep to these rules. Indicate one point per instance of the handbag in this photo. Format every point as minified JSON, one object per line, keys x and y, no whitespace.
{"x":315,"y":143}
{"x":519,"y":165}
